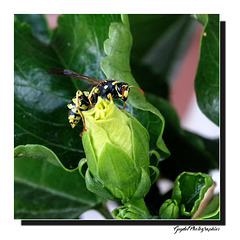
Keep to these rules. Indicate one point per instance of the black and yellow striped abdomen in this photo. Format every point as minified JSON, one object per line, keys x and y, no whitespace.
{"x":74,"y":115}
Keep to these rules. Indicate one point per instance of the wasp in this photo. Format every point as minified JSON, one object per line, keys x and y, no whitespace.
{"x":109,"y":88}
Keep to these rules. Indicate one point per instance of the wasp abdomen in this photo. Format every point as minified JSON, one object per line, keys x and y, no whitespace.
{"x":73,"y":118}
{"x":74,"y":114}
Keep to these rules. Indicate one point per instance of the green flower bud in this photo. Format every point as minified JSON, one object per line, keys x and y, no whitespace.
{"x":117,"y":151}
{"x":132,"y":210}
{"x":169,"y":209}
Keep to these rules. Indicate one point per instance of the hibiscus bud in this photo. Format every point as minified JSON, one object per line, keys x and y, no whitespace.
{"x":169,"y":209}
{"x":117,"y":152}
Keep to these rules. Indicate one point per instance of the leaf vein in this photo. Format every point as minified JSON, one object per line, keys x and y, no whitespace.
{"x":49,"y":143}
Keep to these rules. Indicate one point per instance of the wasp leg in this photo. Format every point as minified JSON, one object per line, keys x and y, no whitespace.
{"x":83,"y":121}
{"x":109,"y":96}
{"x":78,"y":110}
{"x":123,"y":90}
{"x":90,"y":95}
{"x":78,"y":93}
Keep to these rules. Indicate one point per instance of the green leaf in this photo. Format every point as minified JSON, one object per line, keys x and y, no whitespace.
{"x":40,"y":113}
{"x":207,"y":76}
{"x":43,"y":190}
{"x":147,"y":29}
{"x":202,"y":18}
{"x":212,"y":209}
{"x":78,"y":42}
{"x":116,"y":65}
{"x":38,"y":25}
{"x":160,"y":40}
{"x":159,"y":44}
{"x":183,"y":145}
{"x":40,"y":152}
{"x":189,"y":189}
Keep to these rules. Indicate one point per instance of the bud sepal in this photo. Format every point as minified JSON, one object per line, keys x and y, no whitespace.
{"x":132,"y":210}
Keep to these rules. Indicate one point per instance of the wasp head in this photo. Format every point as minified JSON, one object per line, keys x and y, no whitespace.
{"x":124,"y":89}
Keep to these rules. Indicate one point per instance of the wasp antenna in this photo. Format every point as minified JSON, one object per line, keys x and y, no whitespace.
{"x":139,"y":90}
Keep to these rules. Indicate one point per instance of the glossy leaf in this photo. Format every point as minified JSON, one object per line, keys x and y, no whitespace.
{"x":207,"y":76}
{"x":116,"y":65}
{"x":38,"y":25}
{"x":189,"y":189}
{"x":43,"y":190}
{"x":78,"y":42}
{"x":40,"y":152}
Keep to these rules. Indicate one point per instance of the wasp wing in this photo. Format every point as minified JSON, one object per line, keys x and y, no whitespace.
{"x":69,"y":73}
